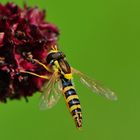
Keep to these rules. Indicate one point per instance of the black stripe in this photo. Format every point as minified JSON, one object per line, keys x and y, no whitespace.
{"x":73,"y":102}
{"x":78,"y":110}
{"x":66,"y":82}
{"x":69,"y":93}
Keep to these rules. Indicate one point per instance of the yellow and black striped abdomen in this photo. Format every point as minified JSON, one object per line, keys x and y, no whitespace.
{"x":72,"y":101}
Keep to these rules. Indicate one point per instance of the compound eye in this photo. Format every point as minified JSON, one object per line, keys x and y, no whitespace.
{"x":50,"y":58}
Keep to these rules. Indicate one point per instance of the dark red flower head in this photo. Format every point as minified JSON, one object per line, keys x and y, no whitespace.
{"x":23,"y":32}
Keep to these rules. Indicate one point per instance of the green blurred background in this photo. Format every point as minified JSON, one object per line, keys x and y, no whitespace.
{"x":102,"y":39}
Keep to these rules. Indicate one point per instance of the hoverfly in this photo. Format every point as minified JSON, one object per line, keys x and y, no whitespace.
{"x":60,"y":82}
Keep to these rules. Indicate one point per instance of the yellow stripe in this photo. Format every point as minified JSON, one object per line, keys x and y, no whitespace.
{"x":68,"y":76}
{"x":74,"y":107}
{"x":72,"y":97}
{"x":68,"y":88}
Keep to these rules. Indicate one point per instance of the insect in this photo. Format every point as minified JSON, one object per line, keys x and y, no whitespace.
{"x":60,"y":82}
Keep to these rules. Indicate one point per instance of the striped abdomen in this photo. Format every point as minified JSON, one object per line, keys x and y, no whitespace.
{"x":72,"y":101}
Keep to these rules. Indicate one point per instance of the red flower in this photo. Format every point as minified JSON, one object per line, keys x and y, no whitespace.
{"x":23,"y":33}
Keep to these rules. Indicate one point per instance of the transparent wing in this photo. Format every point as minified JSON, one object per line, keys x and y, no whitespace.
{"x":95,"y":86}
{"x":50,"y":93}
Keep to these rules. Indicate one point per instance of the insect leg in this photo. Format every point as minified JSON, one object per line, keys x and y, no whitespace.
{"x":32,"y":73}
{"x":38,"y":62}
